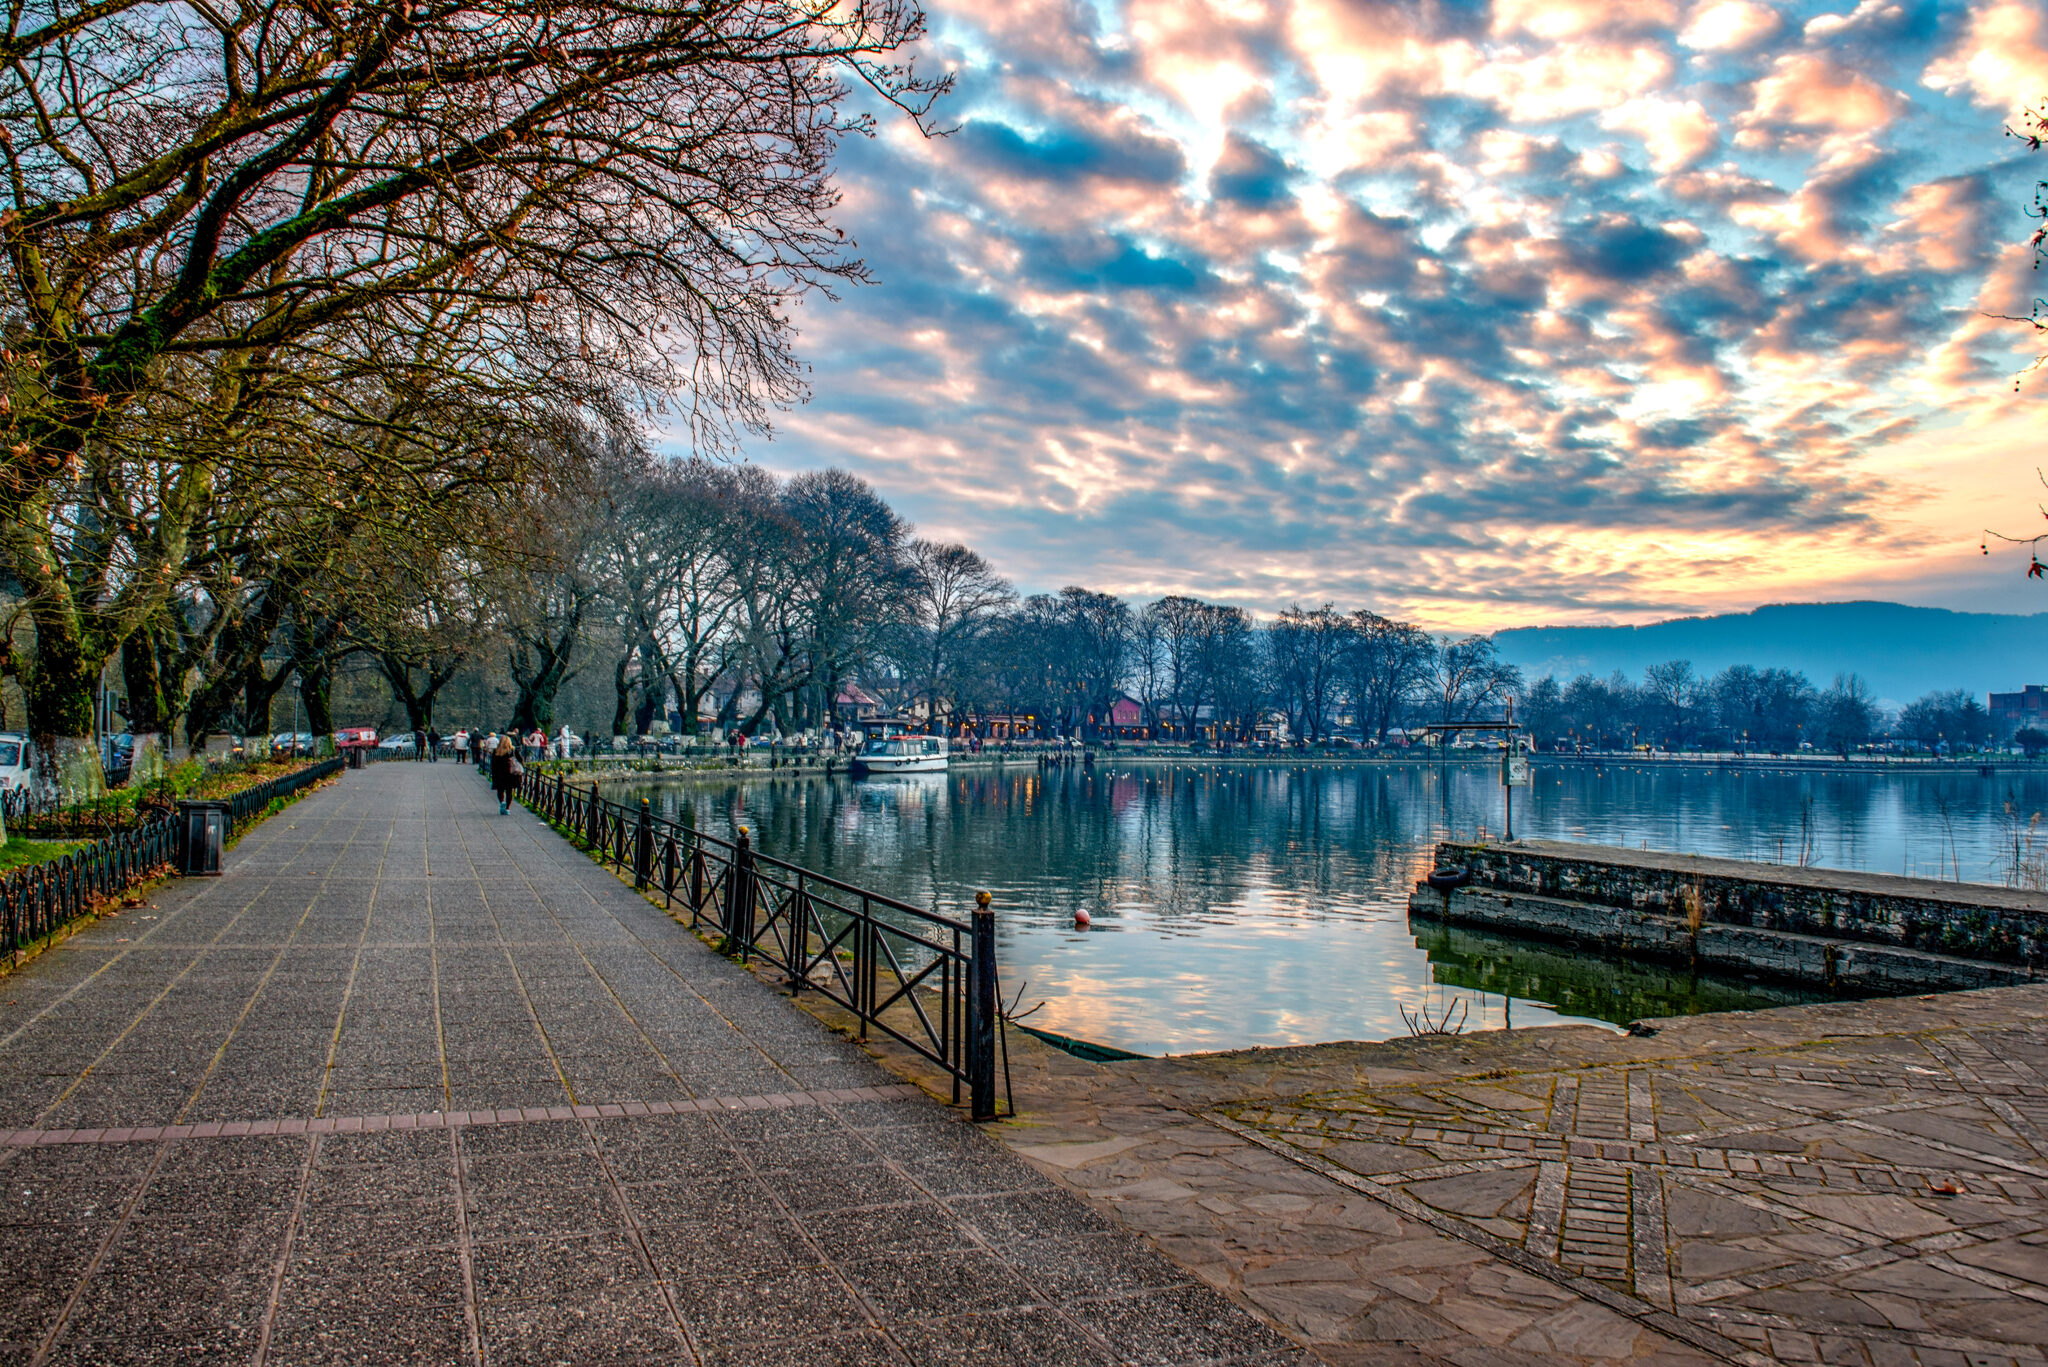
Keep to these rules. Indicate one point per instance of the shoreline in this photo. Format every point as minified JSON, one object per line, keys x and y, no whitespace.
{"x":793,"y":766}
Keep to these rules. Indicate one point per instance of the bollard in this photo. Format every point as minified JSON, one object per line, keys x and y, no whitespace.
{"x":643,"y":848}
{"x":981,"y":1013}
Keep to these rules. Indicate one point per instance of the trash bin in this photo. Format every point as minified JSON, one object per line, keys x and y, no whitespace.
{"x":202,"y":835}
{"x":355,"y":756}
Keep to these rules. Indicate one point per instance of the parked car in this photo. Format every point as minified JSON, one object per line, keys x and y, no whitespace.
{"x":17,"y":762}
{"x":298,"y":742}
{"x":397,"y":747}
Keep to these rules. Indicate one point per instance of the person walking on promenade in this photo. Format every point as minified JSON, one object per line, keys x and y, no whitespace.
{"x":433,"y":746}
{"x":505,"y":773}
{"x":419,"y":742}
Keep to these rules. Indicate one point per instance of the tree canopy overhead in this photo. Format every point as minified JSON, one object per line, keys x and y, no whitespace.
{"x":627,"y":193}
{"x":286,"y":275}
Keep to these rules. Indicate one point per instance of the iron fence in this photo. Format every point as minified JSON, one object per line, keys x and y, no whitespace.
{"x":252,"y":800}
{"x":45,"y":814}
{"x":44,"y":897}
{"x":925,"y":980}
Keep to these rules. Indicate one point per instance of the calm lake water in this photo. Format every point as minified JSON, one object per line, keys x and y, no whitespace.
{"x":1268,"y":905}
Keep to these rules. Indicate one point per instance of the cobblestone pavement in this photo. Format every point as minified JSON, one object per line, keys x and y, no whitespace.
{"x":415,"y":1082}
{"x":1861,"y":1183}
{"x":1861,"y":1200}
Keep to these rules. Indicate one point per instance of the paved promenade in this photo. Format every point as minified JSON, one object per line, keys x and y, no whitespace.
{"x":415,"y":1082}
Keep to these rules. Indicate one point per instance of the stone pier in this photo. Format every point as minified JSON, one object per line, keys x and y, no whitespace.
{"x":1827,"y":928}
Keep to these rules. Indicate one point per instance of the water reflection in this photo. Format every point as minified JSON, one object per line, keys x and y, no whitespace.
{"x":1242,"y":906}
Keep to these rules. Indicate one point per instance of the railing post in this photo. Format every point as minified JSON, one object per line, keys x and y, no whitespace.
{"x":981,"y":1012}
{"x":739,"y":897}
{"x":864,"y":967}
{"x":561,"y":796}
{"x":643,"y":848}
{"x":696,"y":879}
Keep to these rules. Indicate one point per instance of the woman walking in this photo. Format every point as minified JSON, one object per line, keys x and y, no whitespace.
{"x":505,"y":773}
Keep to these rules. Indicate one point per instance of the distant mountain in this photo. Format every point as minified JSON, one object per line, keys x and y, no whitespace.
{"x":1901,"y":652}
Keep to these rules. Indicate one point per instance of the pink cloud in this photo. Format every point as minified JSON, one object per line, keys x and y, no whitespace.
{"x":1676,"y":133}
{"x":1729,"y":25}
{"x":1942,"y":225}
{"x":1805,"y":91}
{"x":1552,"y":20}
{"x":1573,"y":78}
{"x":2001,"y":58}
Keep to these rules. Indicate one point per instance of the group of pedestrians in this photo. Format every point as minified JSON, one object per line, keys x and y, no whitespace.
{"x":503,"y":755}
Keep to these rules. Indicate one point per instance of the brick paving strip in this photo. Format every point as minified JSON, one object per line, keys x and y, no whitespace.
{"x":448,"y":1120}
{"x":415,"y":1082}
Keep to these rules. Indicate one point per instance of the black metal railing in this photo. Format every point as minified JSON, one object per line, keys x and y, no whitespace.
{"x":252,"y":800}
{"x":925,"y":980}
{"x":44,"y":897}
{"x":46,"y":813}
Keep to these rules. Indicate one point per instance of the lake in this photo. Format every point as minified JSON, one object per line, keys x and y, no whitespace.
{"x":1247,"y":905}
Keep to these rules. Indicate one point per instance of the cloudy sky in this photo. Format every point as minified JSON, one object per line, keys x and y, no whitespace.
{"x":1485,"y":314}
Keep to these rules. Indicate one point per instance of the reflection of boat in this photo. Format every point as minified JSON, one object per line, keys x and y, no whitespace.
{"x":902,"y":755}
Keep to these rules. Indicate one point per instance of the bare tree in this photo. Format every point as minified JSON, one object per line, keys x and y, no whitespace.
{"x":953,"y":594}
{"x":1182,"y":622}
{"x":1676,"y":693}
{"x":1468,"y":676}
{"x":1100,"y":631}
{"x":1309,"y":650}
{"x":1389,"y":663}
{"x":638,"y":189}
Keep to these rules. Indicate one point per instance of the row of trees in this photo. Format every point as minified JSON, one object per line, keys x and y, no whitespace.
{"x":753,"y":603}
{"x":310,"y":317}
{"x":1742,"y":708}
{"x":1675,"y":707}
{"x":738,"y":600}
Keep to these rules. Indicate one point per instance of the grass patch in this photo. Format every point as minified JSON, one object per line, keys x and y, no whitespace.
{"x":20,"y":854}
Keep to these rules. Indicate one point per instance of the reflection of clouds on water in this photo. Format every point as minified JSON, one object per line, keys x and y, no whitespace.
{"x":1268,"y":905}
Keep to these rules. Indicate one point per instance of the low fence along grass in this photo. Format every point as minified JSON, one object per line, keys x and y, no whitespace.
{"x":39,"y":900}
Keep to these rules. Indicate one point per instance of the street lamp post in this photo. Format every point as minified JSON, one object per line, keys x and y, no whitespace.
{"x":295,"y":714}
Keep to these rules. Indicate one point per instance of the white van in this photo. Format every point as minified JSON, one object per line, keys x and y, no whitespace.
{"x":17,"y":762}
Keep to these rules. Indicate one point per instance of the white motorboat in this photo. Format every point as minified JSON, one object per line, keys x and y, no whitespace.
{"x":902,"y":755}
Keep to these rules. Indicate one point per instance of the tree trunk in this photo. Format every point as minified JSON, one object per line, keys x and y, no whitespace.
{"x":151,"y":759}
{"x":59,"y":686}
{"x":539,"y":677}
{"x":316,"y":691}
{"x":622,"y":709}
{"x":149,"y":710}
{"x":75,"y":767}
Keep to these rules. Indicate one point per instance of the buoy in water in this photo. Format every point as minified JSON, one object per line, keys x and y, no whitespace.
{"x":1081,"y":920}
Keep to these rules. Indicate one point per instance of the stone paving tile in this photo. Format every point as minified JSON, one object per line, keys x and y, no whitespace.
{"x":381,"y":1094}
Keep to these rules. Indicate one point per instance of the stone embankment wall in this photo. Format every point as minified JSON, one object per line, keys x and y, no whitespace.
{"x":1822,"y":926}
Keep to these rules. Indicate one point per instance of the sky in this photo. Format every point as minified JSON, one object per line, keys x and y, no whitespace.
{"x":1481,"y":315}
